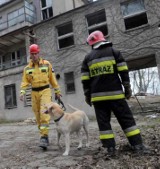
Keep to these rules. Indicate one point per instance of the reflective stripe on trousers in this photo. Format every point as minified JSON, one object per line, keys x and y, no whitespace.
{"x":106,"y":134}
{"x":124,"y":116}
{"x":44,"y":128}
{"x":131,"y":131}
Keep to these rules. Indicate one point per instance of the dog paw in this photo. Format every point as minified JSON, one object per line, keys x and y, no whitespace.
{"x":65,"y":154}
{"x":79,"y":148}
{"x":87,"y":145}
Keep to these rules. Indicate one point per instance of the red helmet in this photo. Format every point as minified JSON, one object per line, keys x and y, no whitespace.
{"x":94,"y":37}
{"x":34,"y":48}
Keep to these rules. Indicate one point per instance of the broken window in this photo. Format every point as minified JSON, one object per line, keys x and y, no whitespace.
{"x":47,"y":10}
{"x":134,"y":13}
{"x":97,"y":21}
{"x":13,"y":59}
{"x":65,"y":35}
{"x":10,"y":96}
{"x":69,"y":82}
{"x":29,"y":12}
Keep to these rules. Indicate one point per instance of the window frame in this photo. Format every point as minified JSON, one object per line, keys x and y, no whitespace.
{"x":47,"y":7}
{"x":27,"y":97}
{"x":64,"y":36}
{"x":20,"y":17}
{"x":98,"y":25}
{"x":1,"y":62}
{"x":1,"y":20}
{"x":16,"y":60}
{"x":7,"y":62}
{"x":133,"y":15}
{"x":13,"y":96}
{"x":70,"y":81}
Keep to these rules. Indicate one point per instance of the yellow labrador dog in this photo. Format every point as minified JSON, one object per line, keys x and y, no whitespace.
{"x":68,"y":123}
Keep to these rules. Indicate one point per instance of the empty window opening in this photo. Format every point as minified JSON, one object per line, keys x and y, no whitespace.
{"x":134,"y":14}
{"x":46,"y":8}
{"x":69,"y":82}
{"x":10,"y":96}
{"x":65,"y":35}
{"x":97,"y":21}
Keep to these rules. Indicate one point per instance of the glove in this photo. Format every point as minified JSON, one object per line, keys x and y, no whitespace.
{"x":128,"y":92}
{"x":21,"y":97}
{"x":57,"y":96}
{"x":88,"y":101}
{"x":127,"y":89}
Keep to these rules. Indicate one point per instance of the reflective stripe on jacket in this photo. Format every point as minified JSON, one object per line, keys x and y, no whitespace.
{"x":39,"y":75}
{"x":100,"y":73}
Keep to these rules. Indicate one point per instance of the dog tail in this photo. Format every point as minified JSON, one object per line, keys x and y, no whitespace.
{"x":74,"y":108}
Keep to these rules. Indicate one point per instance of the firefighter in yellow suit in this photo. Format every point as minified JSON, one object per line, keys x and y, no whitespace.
{"x":40,"y":75}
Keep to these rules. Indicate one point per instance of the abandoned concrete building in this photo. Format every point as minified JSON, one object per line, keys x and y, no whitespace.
{"x":61,"y":32}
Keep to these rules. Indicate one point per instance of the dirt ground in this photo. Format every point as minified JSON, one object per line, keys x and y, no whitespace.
{"x":19,"y":148}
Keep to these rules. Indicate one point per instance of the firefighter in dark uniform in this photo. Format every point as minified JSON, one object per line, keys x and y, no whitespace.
{"x":40,"y":75}
{"x":106,"y":84}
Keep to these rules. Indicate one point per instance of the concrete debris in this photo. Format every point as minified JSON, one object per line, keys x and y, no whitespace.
{"x":30,"y":120}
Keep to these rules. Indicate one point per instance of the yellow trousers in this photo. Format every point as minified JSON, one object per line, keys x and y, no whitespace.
{"x":39,"y":99}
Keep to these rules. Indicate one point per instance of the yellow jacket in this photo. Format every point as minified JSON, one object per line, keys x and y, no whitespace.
{"x":39,"y":75}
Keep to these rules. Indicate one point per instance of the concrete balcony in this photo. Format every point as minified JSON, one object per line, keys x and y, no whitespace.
{"x":16,"y":23}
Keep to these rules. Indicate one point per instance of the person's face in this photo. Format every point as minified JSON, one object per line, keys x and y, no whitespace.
{"x":34,"y":57}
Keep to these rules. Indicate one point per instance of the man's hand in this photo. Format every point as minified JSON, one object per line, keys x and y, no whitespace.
{"x":88,"y":101}
{"x":128,"y":92}
{"x":57,"y":96}
{"x":21,"y":97}
{"x":59,"y":101}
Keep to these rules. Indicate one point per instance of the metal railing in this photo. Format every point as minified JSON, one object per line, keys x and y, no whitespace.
{"x":27,"y":16}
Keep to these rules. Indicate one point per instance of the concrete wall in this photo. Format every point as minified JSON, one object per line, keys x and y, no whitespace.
{"x":61,"y":6}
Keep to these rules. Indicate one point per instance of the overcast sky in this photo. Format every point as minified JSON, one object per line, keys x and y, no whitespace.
{"x":3,"y":1}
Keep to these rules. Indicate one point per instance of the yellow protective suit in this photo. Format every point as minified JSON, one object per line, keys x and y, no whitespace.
{"x":40,"y":76}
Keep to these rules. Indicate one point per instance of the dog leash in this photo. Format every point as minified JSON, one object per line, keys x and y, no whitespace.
{"x":59,"y":101}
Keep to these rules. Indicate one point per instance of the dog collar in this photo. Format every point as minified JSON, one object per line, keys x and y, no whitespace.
{"x":56,"y":120}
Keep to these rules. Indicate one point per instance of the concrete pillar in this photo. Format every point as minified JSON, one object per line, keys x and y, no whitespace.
{"x":158,"y":62}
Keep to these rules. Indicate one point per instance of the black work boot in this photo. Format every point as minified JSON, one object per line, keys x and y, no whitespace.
{"x":44,"y":142}
{"x":111,"y":151}
{"x":140,"y":149}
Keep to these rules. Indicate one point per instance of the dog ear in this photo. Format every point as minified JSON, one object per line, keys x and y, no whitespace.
{"x":46,"y":111}
{"x":50,"y":107}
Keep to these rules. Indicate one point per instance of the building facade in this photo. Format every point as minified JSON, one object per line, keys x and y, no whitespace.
{"x":131,"y":25}
{"x":16,"y":18}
